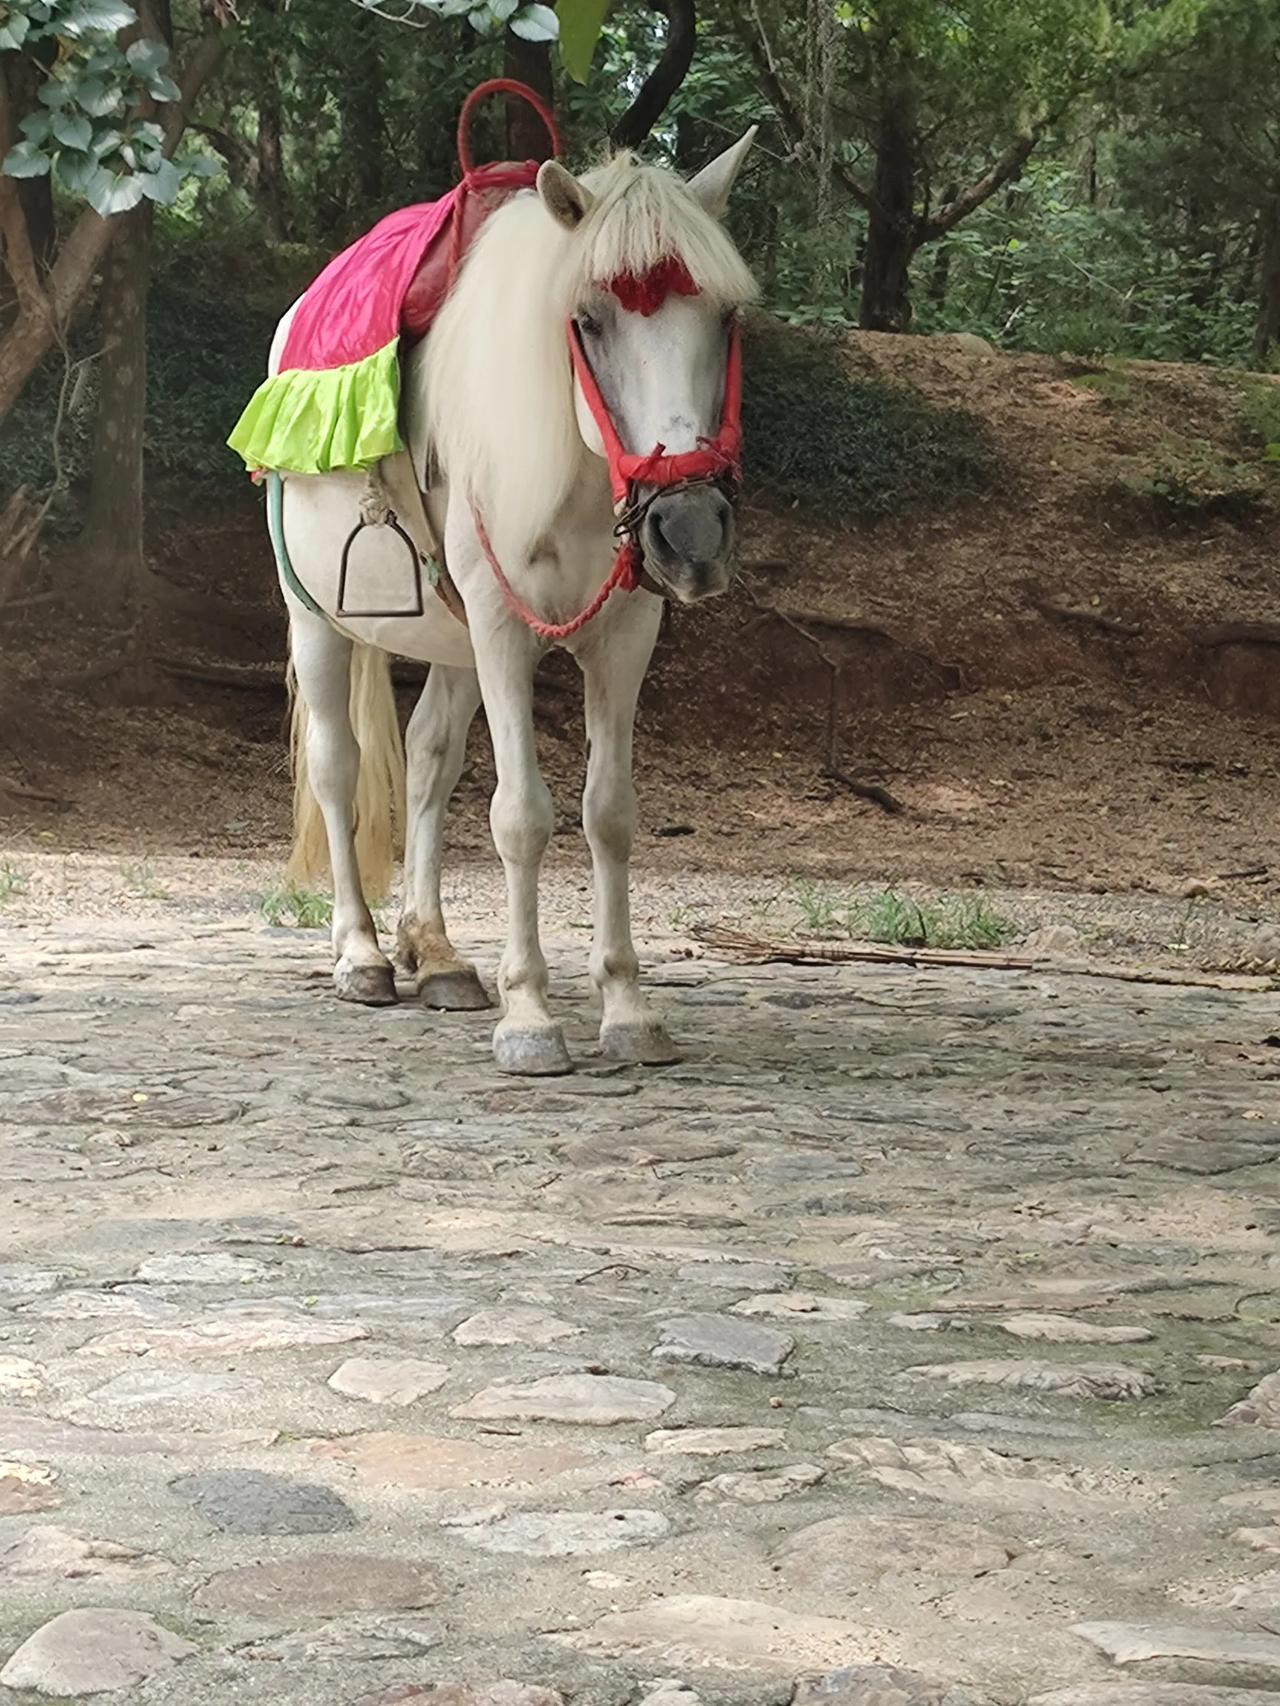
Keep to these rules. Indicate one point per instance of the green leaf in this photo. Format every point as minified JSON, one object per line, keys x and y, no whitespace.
{"x":25,"y":160}
{"x":35,"y":127}
{"x":199,"y":166}
{"x":95,"y":96}
{"x":535,"y":23}
{"x":111,"y":192}
{"x":481,"y":19}
{"x":162,"y":184}
{"x":147,"y":57}
{"x":76,"y":170}
{"x":72,"y":130}
{"x":100,"y":17}
{"x":163,"y":88}
{"x":55,"y":94}
{"x":13,"y":31}
{"x":502,"y":9}
{"x":580,"y":24}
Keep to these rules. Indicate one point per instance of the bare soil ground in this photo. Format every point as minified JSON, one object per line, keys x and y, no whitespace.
{"x":1069,"y":683}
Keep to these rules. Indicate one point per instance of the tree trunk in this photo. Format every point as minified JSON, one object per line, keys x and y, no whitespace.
{"x":270,"y":166}
{"x":111,"y":545}
{"x":528,"y":62}
{"x":362,"y":127}
{"x":34,"y":194}
{"x":1267,"y":329}
{"x":940,"y":275}
{"x":891,"y":228}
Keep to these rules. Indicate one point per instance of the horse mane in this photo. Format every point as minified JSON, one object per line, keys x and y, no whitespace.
{"x":499,"y":391}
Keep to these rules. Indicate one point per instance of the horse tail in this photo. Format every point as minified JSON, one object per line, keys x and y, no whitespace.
{"x":380,"y":789}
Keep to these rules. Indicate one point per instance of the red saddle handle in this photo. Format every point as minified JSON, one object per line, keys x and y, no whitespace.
{"x":500,"y":86}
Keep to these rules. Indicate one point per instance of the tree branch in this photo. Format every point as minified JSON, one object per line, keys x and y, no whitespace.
{"x":666,"y":77}
{"x":982,"y":189}
{"x":756,"y":43}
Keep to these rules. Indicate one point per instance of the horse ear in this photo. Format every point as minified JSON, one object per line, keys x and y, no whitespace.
{"x":562,"y":195}
{"x":713,"y":183}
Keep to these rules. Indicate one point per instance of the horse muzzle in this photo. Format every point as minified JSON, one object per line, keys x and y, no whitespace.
{"x":687,"y":539}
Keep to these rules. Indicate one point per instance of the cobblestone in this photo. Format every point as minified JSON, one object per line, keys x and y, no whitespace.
{"x":332,"y":1354}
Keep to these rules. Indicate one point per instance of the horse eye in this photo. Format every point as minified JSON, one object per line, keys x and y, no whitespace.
{"x":589,"y":326}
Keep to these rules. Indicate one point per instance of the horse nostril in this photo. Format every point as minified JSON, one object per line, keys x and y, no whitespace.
{"x":690,"y":527}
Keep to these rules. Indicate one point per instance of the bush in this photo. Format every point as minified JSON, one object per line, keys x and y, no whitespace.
{"x":844,"y":447}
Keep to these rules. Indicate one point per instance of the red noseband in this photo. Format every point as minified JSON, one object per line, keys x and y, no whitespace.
{"x":718,"y":458}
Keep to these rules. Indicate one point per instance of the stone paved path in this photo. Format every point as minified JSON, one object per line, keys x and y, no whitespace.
{"x":878,"y":1355}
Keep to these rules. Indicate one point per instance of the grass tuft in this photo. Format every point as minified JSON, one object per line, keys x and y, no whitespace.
{"x":952,"y":921}
{"x":288,"y":903}
{"x":13,"y":880}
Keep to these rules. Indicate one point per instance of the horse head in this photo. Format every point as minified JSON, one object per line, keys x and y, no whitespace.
{"x":653,"y":289}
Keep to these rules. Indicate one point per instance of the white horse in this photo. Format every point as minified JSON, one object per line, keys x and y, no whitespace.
{"x":505,"y":442}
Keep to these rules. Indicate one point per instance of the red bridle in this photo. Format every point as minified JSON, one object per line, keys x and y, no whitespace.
{"x":716,"y":461}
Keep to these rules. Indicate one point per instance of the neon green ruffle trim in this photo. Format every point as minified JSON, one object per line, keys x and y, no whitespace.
{"x":302,"y":422}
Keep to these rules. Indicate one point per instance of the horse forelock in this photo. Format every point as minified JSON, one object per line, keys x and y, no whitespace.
{"x":500,"y":401}
{"x":642,"y":219}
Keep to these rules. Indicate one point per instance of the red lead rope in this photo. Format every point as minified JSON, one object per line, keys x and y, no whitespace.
{"x":718,"y":458}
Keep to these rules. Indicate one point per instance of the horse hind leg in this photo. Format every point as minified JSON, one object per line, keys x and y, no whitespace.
{"x":435,"y":750}
{"x":327,"y":775}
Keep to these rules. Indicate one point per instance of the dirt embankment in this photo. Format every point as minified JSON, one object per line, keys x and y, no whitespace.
{"x":1068,"y":679}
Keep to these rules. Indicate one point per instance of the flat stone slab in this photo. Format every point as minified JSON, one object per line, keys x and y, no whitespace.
{"x":26,"y":1430}
{"x":364,"y":1638}
{"x":1072,"y":1330}
{"x":322,"y":1585}
{"x":567,"y":1534}
{"x":1064,"y":1380}
{"x":1150,"y":1694}
{"x":226,"y":1336}
{"x":398,"y":1381}
{"x":1136,"y":1643}
{"x":592,"y":1400}
{"x":1261,"y":1409}
{"x":94,"y":1652}
{"x":878,"y":1685}
{"x":141,"y":1386}
{"x":513,"y":1325}
{"x":840,"y":1554}
{"x":500,"y":1693}
{"x":760,"y":1486}
{"x":431,"y":1463}
{"x":736,"y":1634}
{"x":720,"y":1341}
{"x":247,"y":1501}
{"x":711,"y":1442}
{"x":804,"y":1305}
{"x":46,"y":1552}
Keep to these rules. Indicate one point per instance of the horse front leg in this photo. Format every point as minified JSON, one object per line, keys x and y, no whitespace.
{"x":527,"y":1039}
{"x":613,"y":664}
{"x":435,"y":749}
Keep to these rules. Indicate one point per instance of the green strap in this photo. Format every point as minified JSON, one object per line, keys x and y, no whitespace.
{"x":275,"y":526}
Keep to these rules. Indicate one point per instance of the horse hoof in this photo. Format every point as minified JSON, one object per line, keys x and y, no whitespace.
{"x":531,"y":1054}
{"x":458,"y":991}
{"x":371,"y":986}
{"x":638,"y":1045}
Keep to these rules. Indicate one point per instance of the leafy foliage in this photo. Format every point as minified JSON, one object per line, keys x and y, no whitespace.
{"x":90,"y":128}
{"x":812,"y":435}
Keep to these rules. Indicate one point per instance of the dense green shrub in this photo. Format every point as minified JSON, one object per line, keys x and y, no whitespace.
{"x":848,"y":447}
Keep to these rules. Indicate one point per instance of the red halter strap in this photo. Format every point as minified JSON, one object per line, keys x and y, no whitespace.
{"x":718,"y":458}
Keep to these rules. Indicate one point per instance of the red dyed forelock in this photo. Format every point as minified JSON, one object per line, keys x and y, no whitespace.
{"x":644,"y":293}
